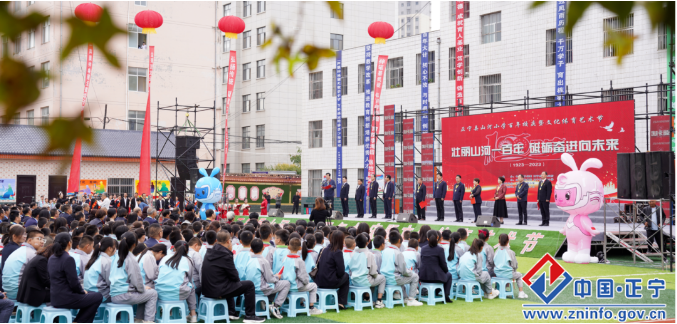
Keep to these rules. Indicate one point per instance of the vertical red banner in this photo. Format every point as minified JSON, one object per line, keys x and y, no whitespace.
{"x":389,"y":142}
{"x":427,"y":167}
{"x":144,"y":165}
{"x":376,"y":123}
{"x":74,"y":179}
{"x":409,"y":161}
{"x":460,"y":67}
{"x":232,"y":73}
{"x":660,"y":133}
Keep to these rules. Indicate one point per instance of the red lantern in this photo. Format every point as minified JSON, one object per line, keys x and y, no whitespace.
{"x":231,"y":25}
{"x":381,"y":31}
{"x":89,"y":13}
{"x":148,"y":20}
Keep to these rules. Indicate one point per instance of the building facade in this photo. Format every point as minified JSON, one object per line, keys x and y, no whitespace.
{"x":413,"y":18}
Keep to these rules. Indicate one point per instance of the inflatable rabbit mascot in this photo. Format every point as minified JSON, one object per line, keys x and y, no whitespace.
{"x":579,"y":193}
{"x":208,"y":191}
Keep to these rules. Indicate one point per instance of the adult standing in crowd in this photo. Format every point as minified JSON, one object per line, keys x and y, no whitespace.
{"x":521,"y":193}
{"x":104,"y":203}
{"x":544,"y":193}
{"x":296,"y":201}
{"x":345,"y":190}
{"x":476,"y":193}
{"x":459,"y":192}
{"x":359,"y":198}
{"x":328,"y":187}
{"x":373,"y":195}
{"x":388,"y":194}
{"x":500,"y":207}
{"x":439,"y":193}
{"x":420,"y":197}
{"x":331,"y":272}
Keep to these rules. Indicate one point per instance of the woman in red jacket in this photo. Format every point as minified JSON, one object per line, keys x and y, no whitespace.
{"x":264,"y":207}
{"x":500,"y":208}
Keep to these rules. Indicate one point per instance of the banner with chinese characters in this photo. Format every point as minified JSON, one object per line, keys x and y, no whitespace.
{"x":424,"y":82}
{"x":560,"y":54}
{"x":376,"y":122}
{"x":660,"y":133}
{"x":389,"y":141}
{"x":529,"y":142}
{"x":232,"y":72}
{"x":408,"y":161}
{"x":367,"y":120}
{"x":460,"y":68}
{"x":427,"y":168}
{"x":339,"y":126}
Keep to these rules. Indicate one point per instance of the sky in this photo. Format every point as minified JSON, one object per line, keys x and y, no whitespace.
{"x":435,"y":13}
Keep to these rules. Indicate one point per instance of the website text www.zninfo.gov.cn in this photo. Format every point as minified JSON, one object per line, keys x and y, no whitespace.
{"x":593,"y":313}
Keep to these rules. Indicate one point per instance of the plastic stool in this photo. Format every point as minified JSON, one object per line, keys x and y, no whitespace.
{"x":211,"y":310}
{"x":502,"y":284}
{"x":322,"y":302}
{"x":357,"y":302}
{"x":111,"y":311}
{"x":432,"y":288}
{"x":293,"y":306}
{"x":464,"y":289}
{"x":49,"y":314}
{"x":454,"y":283}
{"x":238,"y":303}
{"x":388,"y":300}
{"x":28,"y":314}
{"x":257,"y":310}
{"x":167,"y":311}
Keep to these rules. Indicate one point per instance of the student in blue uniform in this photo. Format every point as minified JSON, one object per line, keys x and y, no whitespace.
{"x":379,"y":246}
{"x":506,"y":264}
{"x":265,"y":282}
{"x":242,"y":257}
{"x":364,"y":271}
{"x":266,"y":235}
{"x":210,"y":240}
{"x":16,"y":262}
{"x":487,"y":253}
{"x":97,"y":271}
{"x":294,"y":270}
{"x":348,"y":247}
{"x":412,"y":256}
{"x":194,"y":255}
{"x":126,"y":282}
{"x":175,"y":279}
{"x":280,"y":251}
{"x":394,"y":268}
{"x":311,"y":259}
{"x":148,"y":263}
{"x":464,"y":237}
{"x":81,"y":253}
{"x":470,"y":268}
{"x":452,"y":252}
{"x":319,"y":242}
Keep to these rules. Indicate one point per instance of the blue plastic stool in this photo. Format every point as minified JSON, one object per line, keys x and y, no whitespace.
{"x":502,"y":284}
{"x":432,"y":288}
{"x":388,"y":300}
{"x":454,"y":283}
{"x":238,"y":302}
{"x":322,"y":302}
{"x":111,"y":311}
{"x":49,"y":314}
{"x":257,"y":310}
{"x":28,"y":314}
{"x":293,"y":306}
{"x":171,"y":311}
{"x":98,"y":318}
{"x":464,"y":289}
{"x":211,"y":310}
{"x":355,"y":298}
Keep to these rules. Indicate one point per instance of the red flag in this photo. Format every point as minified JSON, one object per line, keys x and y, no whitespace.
{"x":232,"y":72}
{"x":144,"y":166}
{"x":423,"y":204}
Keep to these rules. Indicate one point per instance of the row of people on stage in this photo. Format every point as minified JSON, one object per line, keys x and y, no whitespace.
{"x":237,"y":208}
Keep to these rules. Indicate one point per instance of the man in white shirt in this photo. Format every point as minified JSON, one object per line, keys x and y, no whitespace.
{"x":105,"y":202}
{"x":42,"y":202}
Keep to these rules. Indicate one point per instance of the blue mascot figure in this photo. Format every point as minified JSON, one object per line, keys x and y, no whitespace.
{"x":208,"y":191}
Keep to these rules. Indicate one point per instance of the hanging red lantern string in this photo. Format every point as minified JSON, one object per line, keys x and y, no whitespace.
{"x":381,"y":31}
{"x":148,"y":20}
{"x":89,"y":13}
{"x":231,"y":25}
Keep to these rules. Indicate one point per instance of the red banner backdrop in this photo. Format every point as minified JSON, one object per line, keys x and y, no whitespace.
{"x":389,"y":143}
{"x":74,"y":178}
{"x":660,"y":133}
{"x":232,"y":73}
{"x":531,"y":141}
{"x":408,"y":162}
{"x":427,"y":168}
{"x":144,"y":166}
{"x":376,"y":124}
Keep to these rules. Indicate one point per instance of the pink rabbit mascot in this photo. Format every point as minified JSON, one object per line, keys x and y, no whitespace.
{"x":579,"y":193}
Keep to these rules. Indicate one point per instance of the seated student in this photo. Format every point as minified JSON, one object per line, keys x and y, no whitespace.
{"x":311,"y":258}
{"x":154,"y":235}
{"x":464,"y":237}
{"x":34,"y":285}
{"x":452,"y":252}
{"x":266,"y":233}
{"x":175,"y":279}
{"x":405,"y":240}
{"x":294,"y":271}
{"x":166,"y":230}
{"x":394,"y":268}
{"x":487,"y":253}
{"x":98,"y":218}
{"x":379,"y":246}
{"x":148,"y":263}
{"x":506,"y":264}
{"x":434,"y":265}
{"x":266,"y":283}
{"x":194,"y":254}
{"x":319,"y":242}
{"x":126,"y":282}
{"x":326,"y":231}
{"x":97,"y":270}
{"x":278,"y":255}
{"x":81,"y":253}
{"x":349,"y":246}
{"x":210,"y":240}
{"x":16,"y":262}
{"x":412,"y":256}
{"x":65,"y":288}
{"x":470,"y":268}
{"x":242,"y":257}
{"x":364,"y":271}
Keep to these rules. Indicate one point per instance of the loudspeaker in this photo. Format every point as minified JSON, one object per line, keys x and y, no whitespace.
{"x":336,"y":215}
{"x":623,"y":175}
{"x":178,"y":188}
{"x":274,"y":212}
{"x":659,"y":174}
{"x":638,"y":175}
{"x":407,"y":218}
{"x":487,"y":221}
{"x":187,"y":142}
{"x":186,"y":159}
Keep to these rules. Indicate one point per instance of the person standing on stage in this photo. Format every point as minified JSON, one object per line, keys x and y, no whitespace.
{"x":521,"y":193}
{"x":439,"y":193}
{"x":459,"y":192}
{"x":345,"y":189}
{"x":388,"y":194}
{"x":476,"y":193}
{"x":420,"y":197}
{"x":373,"y":195}
{"x":500,"y":207}
{"x":359,"y":198}
{"x":296,"y":201}
{"x":544,"y":192}
{"x":328,"y":186}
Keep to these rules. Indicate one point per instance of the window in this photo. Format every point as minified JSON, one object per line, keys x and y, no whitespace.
{"x":246,"y":168}
{"x":260,"y":136}
{"x":44,"y":114}
{"x":551,"y":47}
{"x":360,"y":175}
{"x":398,"y":127}
{"x":361,"y":77}
{"x":227,"y":167}
{"x":490,"y":88}
{"x":245,"y":137}
{"x":662,"y":98}
{"x":140,"y":3}
{"x":617,"y":95}
{"x":225,"y":74}
{"x":260,"y":6}
{"x":260,"y":36}
{"x":119,"y":186}
{"x":45,"y":78}
{"x":247,"y":39}
{"x":344,"y":132}
{"x":344,"y":81}
{"x":315,"y":87}
{"x":260,"y":101}
{"x":616,"y":25}
{"x":491,"y":28}
{"x":46,"y":30}
{"x":223,"y":105}
{"x":260,"y":167}
{"x":246,"y":104}
{"x":336,"y":42}
{"x":30,"y":117}
{"x":260,"y":69}
{"x":226,"y":10}
{"x":395,"y":72}
{"x":247,"y":7}
{"x":17,"y":119}
{"x":246,"y":72}
{"x":135,"y":119}
{"x":137,"y":79}
{"x":360,"y":130}
{"x":453,"y":56}
{"x":135,"y":38}
{"x":333,"y":14}
{"x":17,"y":45}
{"x":315,"y":134}
{"x":662,"y":37}
{"x":314,"y":183}
{"x":408,"y":3}
{"x":453,"y":7}
{"x":31,"y":39}
{"x":431,"y":67}
{"x":5,"y":46}
{"x":223,"y":137}
{"x":226,"y":44}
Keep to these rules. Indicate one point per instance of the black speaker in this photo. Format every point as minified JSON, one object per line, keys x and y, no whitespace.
{"x":623,"y":175}
{"x":406,"y":218}
{"x":660,"y":169}
{"x":187,"y":142}
{"x":274,"y":212}
{"x":178,"y":188}
{"x":337,"y":215}
{"x":487,"y":221}
{"x":638,"y":175}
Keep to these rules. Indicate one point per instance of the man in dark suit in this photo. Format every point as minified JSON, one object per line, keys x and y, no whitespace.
{"x":373,"y":195}
{"x":134,"y":202}
{"x":420,"y":197}
{"x":459,"y":192}
{"x":296,"y":200}
{"x":544,"y":193}
{"x":328,"y":186}
{"x":125,"y":202}
{"x":359,"y":199}
{"x":521,"y":192}
{"x":388,"y":194}
{"x":439,"y":193}
{"x":345,"y":189}
{"x":161,"y":204}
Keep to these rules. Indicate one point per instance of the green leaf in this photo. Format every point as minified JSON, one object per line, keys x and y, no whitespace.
{"x":99,"y":35}
{"x":574,"y":13}
{"x":660,"y":12}
{"x":63,"y":132}
{"x":314,"y":54}
{"x":12,"y":26}
{"x":335,"y":6}
{"x":623,"y":43}
{"x":18,"y":86}
{"x":537,"y":4}
{"x":622,"y":9}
